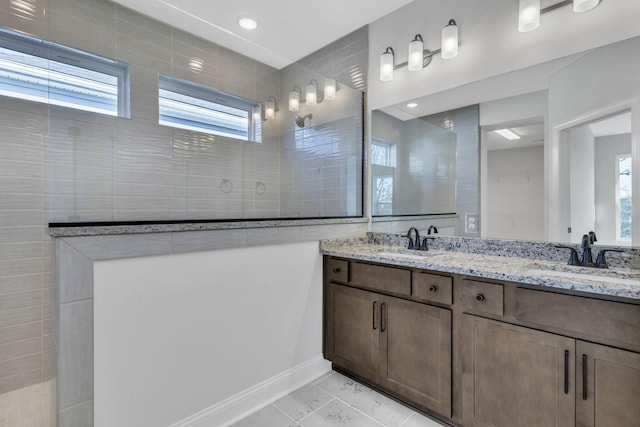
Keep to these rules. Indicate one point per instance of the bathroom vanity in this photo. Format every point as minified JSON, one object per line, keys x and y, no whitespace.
{"x":486,"y":340}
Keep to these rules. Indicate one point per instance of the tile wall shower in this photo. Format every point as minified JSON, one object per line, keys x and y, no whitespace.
{"x":60,"y":165}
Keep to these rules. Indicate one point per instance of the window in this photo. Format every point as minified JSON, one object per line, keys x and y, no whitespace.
{"x":42,"y":71}
{"x":623,"y":197}
{"x":383,"y":159}
{"x":189,"y":106}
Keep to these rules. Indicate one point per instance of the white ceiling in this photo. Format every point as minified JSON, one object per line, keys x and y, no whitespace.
{"x":288,"y":30}
{"x":615,"y":125}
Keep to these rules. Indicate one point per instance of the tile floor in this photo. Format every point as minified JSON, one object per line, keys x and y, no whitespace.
{"x":27,"y":407}
{"x":335,"y":400}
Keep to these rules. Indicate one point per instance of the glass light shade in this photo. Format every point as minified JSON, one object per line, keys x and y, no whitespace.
{"x":386,"y":66}
{"x":312,"y":94}
{"x":416,"y":48}
{"x":294,"y":100}
{"x":269,"y":110}
{"x":329,"y":89}
{"x":584,"y":5}
{"x":450,"y":40}
{"x":529,"y":15}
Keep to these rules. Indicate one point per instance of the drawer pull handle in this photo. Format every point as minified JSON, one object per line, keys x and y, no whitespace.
{"x":433,"y":289}
{"x":480,"y":297}
{"x":584,"y":377}
{"x":336,"y":270}
{"x":566,"y":372}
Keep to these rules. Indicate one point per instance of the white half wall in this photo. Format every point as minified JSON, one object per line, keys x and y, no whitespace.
{"x":177,"y":334}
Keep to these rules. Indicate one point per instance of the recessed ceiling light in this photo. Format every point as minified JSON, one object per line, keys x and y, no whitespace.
{"x":507,"y":133}
{"x":247,"y":23}
{"x":412,"y":105}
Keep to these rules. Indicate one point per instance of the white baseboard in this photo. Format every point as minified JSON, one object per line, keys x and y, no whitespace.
{"x":238,"y":406}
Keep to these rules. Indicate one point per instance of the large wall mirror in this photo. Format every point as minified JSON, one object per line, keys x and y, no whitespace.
{"x":557,"y":146}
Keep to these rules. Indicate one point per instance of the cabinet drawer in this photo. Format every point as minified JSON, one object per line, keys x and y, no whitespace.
{"x":337,"y":270}
{"x":381,"y":278}
{"x":482,"y":297}
{"x":432,"y":287}
{"x":612,"y":322}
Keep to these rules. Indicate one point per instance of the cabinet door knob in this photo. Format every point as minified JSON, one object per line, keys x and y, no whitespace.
{"x":433,"y":288}
{"x":480,"y":297}
{"x":336,"y":270}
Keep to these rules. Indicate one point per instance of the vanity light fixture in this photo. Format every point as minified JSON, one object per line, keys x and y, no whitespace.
{"x":294,"y":99}
{"x":507,"y":133}
{"x":529,"y":11}
{"x":419,"y":57}
{"x":270,"y":108}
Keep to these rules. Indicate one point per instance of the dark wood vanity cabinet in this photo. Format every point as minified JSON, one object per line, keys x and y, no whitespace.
{"x":485,"y":353}
{"x":401,"y":345}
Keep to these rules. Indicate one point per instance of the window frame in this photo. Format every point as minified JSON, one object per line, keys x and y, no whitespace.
{"x":62,"y":54}
{"x":214,"y":96}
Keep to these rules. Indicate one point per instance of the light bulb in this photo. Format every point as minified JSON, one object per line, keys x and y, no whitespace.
{"x":294,"y":100}
{"x":450,"y":40}
{"x":386,"y":65}
{"x":529,"y":15}
{"x":416,"y":48}
{"x":312,"y":94}
{"x":329,"y":89}
{"x":269,"y":110}
{"x":584,"y":5}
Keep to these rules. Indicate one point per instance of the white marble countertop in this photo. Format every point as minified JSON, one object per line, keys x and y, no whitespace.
{"x":623,"y":283}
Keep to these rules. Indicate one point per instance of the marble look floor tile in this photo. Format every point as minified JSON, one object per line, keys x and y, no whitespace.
{"x":337,"y":413}
{"x":303,"y":401}
{"x":269,"y":416}
{"x":418,"y":420}
{"x":323,"y":377}
{"x":381,"y":408}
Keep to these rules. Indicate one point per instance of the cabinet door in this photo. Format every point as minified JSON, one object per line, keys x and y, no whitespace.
{"x":514,"y":376}
{"x":415,"y":352}
{"x":607,"y":386}
{"x":354,"y":326}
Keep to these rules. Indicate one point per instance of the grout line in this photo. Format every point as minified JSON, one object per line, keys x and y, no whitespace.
{"x":319,"y":407}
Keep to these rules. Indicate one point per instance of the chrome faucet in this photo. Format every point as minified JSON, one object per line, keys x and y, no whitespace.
{"x":413,"y":244}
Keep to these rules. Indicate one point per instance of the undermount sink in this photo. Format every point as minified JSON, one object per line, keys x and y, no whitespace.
{"x":584,"y":276}
{"x":417,"y":256}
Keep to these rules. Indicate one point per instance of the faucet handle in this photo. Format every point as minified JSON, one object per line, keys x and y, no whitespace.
{"x":573,"y":257}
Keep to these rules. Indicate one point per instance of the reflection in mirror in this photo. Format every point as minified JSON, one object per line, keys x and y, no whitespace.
{"x":414,"y":169}
{"x":515,"y":181}
{"x":600,"y":179}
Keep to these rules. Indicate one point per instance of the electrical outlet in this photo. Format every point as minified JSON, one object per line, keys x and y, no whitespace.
{"x":471,"y":224}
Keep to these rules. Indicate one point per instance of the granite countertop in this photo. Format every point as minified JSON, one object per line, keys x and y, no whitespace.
{"x":618,"y":282}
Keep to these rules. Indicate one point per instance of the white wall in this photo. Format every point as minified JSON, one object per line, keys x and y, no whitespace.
{"x":177,"y":334}
{"x":490,"y":43}
{"x":582,"y":182}
{"x":515,"y":193}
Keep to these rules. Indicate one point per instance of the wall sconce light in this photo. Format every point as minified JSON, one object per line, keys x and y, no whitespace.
{"x":312,"y":93}
{"x":294,"y":99}
{"x":270,"y":108}
{"x":529,"y":11}
{"x":419,"y":57}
